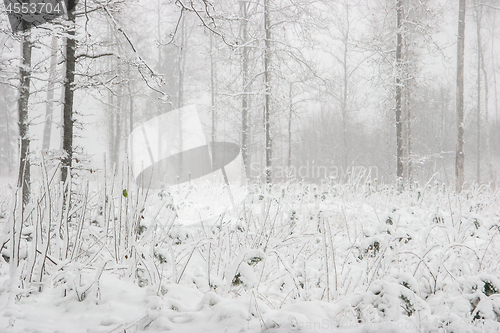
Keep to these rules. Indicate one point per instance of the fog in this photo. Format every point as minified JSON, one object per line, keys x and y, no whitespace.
{"x":331,"y":82}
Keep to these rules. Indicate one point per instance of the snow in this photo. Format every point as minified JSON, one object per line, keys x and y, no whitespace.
{"x":369,"y":260}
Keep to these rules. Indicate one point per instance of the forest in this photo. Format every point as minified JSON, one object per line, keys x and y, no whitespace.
{"x":249,"y":165}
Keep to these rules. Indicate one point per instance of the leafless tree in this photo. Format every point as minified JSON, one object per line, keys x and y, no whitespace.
{"x":24,"y":94}
{"x":69,"y":80}
{"x":460,"y":158}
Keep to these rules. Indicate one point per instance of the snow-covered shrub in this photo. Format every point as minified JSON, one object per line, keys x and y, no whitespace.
{"x":292,"y":256}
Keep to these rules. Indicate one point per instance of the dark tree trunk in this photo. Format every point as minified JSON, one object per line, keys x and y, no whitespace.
{"x":68,"y":94}
{"x":24,"y":94}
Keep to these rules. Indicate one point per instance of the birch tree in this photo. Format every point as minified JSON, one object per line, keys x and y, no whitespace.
{"x":49,"y":106}
{"x":244,"y":17}
{"x":460,"y":158}
{"x":399,"y":125}
{"x":267,"y":90}
{"x":7,"y":131}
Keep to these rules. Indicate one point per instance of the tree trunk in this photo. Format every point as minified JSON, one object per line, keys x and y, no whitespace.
{"x":161,"y":106}
{"x":24,"y":94}
{"x":181,"y":63}
{"x":487,"y":119}
{"x":68,"y":94}
{"x":8,"y":144}
{"x":245,"y":83}
{"x":180,"y":89}
{"x":409,"y":165}
{"x":267,"y":85}
{"x":290,"y":98}
{"x":49,"y":107}
{"x":345,"y":87}
{"x":459,"y":161}
{"x":111,"y":128}
{"x":118,"y":121}
{"x":478,"y":112}
{"x":130,"y":102}
{"x":110,"y":103}
{"x":399,"y":125}
{"x":486,"y":110}
{"x":213,"y":89}
{"x":493,"y":54}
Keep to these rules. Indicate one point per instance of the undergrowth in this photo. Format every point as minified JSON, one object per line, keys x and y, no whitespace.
{"x":428,"y":254}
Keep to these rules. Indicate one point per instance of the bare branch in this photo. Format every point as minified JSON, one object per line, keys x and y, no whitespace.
{"x":205,"y":24}
{"x":86,"y":11}
{"x":176,"y":28}
{"x":490,"y":6}
{"x":95,"y":56}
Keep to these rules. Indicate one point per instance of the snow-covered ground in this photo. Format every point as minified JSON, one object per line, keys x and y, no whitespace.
{"x":296,"y":258}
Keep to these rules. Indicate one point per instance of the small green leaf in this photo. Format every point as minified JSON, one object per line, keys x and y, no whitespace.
{"x":125,"y":193}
